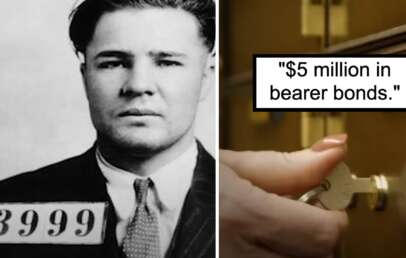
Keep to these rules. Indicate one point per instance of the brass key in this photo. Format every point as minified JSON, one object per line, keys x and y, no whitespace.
{"x":336,"y":192}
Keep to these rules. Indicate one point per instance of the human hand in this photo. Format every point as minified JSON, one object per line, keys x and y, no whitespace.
{"x":255,"y":221}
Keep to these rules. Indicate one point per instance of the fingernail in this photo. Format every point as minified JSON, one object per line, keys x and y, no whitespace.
{"x":329,"y":142}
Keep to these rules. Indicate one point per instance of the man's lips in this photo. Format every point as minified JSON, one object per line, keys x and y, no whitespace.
{"x":139,"y":112}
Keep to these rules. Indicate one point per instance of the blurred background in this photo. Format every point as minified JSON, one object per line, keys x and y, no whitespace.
{"x":376,"y":139}
{"x":44,"y":116}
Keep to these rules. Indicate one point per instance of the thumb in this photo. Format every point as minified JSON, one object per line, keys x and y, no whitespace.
{"x":288,"y":173}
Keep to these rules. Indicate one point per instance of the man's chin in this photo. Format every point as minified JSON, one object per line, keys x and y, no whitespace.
{"x":141,"y":148}
{"x":139,"y":145}
{"x":141,"y":142}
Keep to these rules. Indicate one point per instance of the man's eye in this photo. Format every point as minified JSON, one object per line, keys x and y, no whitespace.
{"x":112,"y":65}
{"x":164,"y":63}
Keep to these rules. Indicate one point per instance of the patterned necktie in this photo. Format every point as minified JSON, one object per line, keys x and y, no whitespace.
{"x":142,"y":238}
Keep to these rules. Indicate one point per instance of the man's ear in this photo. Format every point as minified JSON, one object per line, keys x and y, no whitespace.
{"x":209,"y":76}
{"x":83,"y":73}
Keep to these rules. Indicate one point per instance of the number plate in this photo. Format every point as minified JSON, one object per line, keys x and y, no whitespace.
{"x":53,"y":223}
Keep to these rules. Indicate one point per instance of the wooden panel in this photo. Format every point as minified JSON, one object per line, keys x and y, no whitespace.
{"x":250,"y":27}
{"x":371,"y":16}
{"x":377,"y":143}
{"x":390,"y":41}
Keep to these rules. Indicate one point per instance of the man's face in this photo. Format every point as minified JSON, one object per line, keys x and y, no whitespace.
{"x":144,"y":73}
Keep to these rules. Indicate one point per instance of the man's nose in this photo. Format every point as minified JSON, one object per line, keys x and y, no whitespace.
{"x":139,"y":81}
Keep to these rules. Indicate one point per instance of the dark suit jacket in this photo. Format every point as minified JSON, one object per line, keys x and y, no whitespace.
{"x":79,"y":179}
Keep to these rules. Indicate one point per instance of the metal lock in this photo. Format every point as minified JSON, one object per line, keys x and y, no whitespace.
{"x":377,"y":200}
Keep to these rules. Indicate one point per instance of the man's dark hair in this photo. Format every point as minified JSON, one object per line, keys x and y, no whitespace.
{"x":85,"y":17}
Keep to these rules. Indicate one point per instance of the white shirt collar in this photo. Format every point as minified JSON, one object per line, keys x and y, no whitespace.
{"x":172,"y":181}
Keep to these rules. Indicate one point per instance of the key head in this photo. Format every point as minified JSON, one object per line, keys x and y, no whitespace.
{"x":339,"y":192}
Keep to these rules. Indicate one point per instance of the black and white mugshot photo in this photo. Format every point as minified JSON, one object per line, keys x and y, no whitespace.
{"x":108,"y":128}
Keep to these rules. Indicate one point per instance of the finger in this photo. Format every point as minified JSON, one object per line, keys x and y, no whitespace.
{"x":275,"y":223}
{"x":288,"y":173}
{"x":274,"y":255}
{"x":242,"y":250}
{"x":231,"y":246}
{"x":293,"y":228}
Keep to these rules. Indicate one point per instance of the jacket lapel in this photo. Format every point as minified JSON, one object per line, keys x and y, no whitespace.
{"x":195,"y":233}
{"x":97,"y":184}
